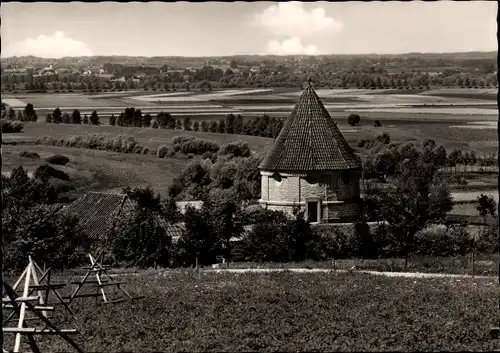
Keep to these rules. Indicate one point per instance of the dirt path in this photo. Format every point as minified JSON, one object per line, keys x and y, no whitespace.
{"x":326,"y":270}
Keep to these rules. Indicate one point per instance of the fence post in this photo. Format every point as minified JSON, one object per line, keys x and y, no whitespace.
{"x":473,"y":254}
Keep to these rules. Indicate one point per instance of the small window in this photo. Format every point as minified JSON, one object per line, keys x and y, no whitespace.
{"x":277,"y":177}
{"x":310,"y":179}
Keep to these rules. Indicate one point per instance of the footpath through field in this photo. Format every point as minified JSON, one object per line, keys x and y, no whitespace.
{"x":377,"y":273}
{"x":326,"y":270}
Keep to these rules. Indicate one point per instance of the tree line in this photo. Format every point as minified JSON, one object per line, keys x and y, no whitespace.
{"x":264,"y":126}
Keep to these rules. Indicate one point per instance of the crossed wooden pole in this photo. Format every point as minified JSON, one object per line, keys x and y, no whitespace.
{"x":21,"y":304}
{"x":99,"y":283}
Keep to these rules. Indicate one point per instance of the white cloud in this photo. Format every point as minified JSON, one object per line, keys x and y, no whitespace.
{"x":53,"y":46}
{"x":290,"y":19}
{"x":291,"y":46}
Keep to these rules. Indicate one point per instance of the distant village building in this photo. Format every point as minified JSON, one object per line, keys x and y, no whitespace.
{"x":312,"y":167}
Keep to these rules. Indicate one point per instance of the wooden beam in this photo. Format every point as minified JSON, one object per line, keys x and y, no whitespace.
{"x":105,"y":284}
{"x":37,"y":331}
{"x":93,"y":268}
{"x":84,"y":295}
{"x":36,"y":307}
{"x":89,"y":282}
{"x":22,"y":299}
{"x":22,"y":310}
{"x":20,"y":279}
{"x":11,"y":292}
{"x":94,"y":263}
{"x":48,"y":286}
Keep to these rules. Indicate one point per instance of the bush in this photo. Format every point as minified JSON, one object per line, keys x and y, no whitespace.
{"x":142,"y":241}
{"x":45,"y":172}
{"x":377,"y":123}
{"x":120,"y":143}
{"x":353,"y":119}
{"x":28,"y":154}
{"x":162,"y":151}
{"x":154,"y":124}
{"x":235,"y":149}
{"x":58,"y":160}
{"x":44,"y":233}
{"x":487,"y":240}
{"x":187,"y":145}
{"x":277,"y":238}
{"x":385,"y":138}
{"x":11,"y":126}
{"x":443,"y":241}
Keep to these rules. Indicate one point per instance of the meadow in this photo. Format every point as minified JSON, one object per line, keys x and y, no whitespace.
{"x":224,"y":312}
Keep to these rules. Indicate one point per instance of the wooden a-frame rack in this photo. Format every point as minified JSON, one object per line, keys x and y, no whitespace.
{"x":99,"y":283}
{"x":21,"y":304}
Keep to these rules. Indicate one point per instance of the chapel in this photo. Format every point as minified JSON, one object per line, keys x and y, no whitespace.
{"x":312,"y":167}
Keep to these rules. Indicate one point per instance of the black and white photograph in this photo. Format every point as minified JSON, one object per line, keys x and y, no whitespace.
{"x":250,"y":176}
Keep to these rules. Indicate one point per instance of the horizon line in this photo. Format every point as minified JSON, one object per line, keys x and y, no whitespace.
{"x":237,"y":55}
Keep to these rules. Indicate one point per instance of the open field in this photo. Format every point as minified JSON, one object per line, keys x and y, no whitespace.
{"x":101,"y":170}
{"x":183,"y":311}
{"x":433,"y":104}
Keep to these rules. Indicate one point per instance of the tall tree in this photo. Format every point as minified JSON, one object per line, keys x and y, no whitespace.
{"x":57,"y":116}
{"x":186,"y":124}
{"x":30,"y":113}
{"x":66,"y":119}
{"x":146,"y":120}
{"x":214,"y":127}
{"x":76,"y":117}
{"x":94,"y":118}
{"x":416,"y":201}
{"x":230,"y":118}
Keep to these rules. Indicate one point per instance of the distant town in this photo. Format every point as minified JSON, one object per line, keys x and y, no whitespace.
{"x":474,"y":70}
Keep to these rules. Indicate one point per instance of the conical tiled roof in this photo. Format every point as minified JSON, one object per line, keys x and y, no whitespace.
{"x":310,"y":141}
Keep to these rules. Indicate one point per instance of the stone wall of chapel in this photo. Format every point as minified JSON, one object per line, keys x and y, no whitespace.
{"x":285,"y":190}
{"x":291,"y":188}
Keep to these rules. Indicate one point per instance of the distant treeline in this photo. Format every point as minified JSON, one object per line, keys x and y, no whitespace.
{"x":263,"y":126}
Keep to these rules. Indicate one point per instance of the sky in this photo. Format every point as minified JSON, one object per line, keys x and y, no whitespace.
{"x":55,"y":30}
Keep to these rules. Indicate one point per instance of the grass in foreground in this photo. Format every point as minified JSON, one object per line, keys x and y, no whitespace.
{"x":287,"y":312}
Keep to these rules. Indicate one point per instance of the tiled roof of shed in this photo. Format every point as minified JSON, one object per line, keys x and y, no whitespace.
{"x":310,"y":140}
{"x":96,"y":211}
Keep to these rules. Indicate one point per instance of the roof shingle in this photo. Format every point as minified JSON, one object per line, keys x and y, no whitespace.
{"x":95,"y":211}
{"x":310,"y":140}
